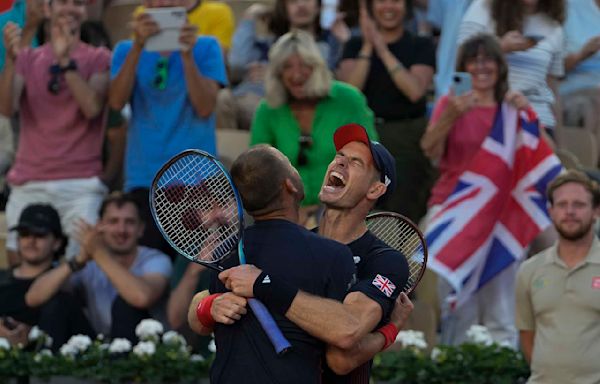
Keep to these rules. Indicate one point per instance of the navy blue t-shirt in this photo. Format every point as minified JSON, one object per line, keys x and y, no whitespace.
{"x":315,"y":265}
{"x":381,"y":273}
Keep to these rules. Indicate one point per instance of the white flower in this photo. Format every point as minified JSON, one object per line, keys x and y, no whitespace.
{"x":41,"y":354}
{"x":148,"y":328}
{"x":68,"y":350}
{"x":435,"y":353}
{"x":479,"y":334}
{"x":212,"y":347}
{"x":119,"y":345}
{"x":144,"y":348}
{"x":80,"y":342}
{"x":49,"y":341}
{"x":412,"y":339}
{"x":4,"y":344}
{"x":174,"y":338}
{"x":196,"y":358}
{"x":104,"y":346}
{"x":100,"y":337}
{"x":35,"y":333}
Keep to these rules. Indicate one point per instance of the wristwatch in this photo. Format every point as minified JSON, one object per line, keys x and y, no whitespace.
{"x":74,"y":266}
{"x":72,"y":66}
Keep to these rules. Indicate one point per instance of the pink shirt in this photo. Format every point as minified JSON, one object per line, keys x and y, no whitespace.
{"x":463,"y":142}
{"x":56,"y":141}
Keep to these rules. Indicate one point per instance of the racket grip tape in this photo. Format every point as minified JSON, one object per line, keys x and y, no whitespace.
{"x":280,"y":343}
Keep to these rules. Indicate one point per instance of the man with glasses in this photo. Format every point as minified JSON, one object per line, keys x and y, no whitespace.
{"x":172,"y":97}
{"x":59,"y":91}
{"x":40,"y":242}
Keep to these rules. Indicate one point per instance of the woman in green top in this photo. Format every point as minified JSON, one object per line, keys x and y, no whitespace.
{"x":302,"y":109}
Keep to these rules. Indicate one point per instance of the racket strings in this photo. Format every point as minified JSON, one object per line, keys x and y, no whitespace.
{"x":196,"y":208}
{"x":404,"y":237}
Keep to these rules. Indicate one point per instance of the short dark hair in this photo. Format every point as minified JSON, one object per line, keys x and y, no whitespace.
{"x":574,"y":176}
{"x":280,"y":21}
{"x":119,"y":199}
{"x":489,"y":46}
{"x":259,"y":174}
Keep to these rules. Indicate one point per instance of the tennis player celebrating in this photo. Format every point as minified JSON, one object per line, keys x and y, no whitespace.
{"x":362,"y":172}
{"x":271,"y":191}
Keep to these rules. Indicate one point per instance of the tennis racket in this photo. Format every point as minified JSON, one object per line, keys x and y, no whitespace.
{"x":199,"y":212}
{"x":403,"y":235}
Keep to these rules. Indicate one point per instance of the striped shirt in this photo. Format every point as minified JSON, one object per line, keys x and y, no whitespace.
{"x":528,"y":70}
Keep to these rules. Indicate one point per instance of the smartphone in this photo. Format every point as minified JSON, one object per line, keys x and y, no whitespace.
{"x":169,"y":20}
{"x":461,"y":83}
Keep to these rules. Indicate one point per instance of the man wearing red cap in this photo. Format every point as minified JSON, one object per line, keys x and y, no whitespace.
{"x":362,"y":173}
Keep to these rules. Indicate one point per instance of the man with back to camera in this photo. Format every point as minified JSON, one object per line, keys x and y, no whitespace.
{"x":271,"y":191}
{"x":362,"y":172}
{"x":558,"y":290}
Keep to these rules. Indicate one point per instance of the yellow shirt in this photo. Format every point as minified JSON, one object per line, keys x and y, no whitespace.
{"x":213,"y":19}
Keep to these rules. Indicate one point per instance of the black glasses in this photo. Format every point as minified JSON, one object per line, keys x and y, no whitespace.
{"x":160,"y":80}
{"x":54,"y":82}
{"x":305,"y":142}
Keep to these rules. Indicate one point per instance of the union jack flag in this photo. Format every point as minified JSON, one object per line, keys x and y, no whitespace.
{"x":384,"y":285}
{"x":497,"y":207}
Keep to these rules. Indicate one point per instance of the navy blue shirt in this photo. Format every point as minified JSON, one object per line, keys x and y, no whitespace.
{"x":307,"y":261}
{"x":381,"y":273}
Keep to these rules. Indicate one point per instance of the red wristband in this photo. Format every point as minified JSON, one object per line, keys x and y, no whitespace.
{"x":203,"y":310}
{"x":389,"y":331}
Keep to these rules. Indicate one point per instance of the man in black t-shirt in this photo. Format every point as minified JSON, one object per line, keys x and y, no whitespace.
{"x":271,"y":191}
{"x":40,"y":241}
{"x":362,"y":173}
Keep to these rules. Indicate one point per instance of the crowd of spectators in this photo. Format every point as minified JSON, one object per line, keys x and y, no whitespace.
{"x":79,"y":120}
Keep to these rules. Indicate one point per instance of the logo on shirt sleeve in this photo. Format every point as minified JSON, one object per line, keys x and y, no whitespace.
{"x":384,"y":285}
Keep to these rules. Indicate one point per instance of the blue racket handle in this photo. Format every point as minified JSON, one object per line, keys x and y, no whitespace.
{"x":268,"y":324}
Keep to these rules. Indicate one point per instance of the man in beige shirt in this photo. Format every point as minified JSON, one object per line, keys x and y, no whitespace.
{"x":558,"y":290}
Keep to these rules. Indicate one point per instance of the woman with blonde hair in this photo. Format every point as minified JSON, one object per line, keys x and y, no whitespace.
{"x":302,"y":109}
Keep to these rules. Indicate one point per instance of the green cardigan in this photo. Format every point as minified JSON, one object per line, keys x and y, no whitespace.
{"x":278,"y":127}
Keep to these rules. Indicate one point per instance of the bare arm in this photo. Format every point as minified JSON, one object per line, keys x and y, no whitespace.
{"x":11,"y":84}
{"x":46,"y":285}
{"x":139,"y":291}
{"x":182,"y":295}
{"x":193,"y":321}
{"x":355,"y":71}
{"x":413,"y":81}
{"x":121,"y":86}
{"x":201,"y":90}
{"x":589,"y":49}
{"x":117,"y":137}
{"x":527,"y":338}
{"x":343,"y":361}
{"x":227,"y":308}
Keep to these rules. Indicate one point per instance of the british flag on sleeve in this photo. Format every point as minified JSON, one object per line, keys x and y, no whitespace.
{"x":497,"y":207}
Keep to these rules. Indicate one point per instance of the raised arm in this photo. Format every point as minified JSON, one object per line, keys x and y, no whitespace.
{"x":589,"y":49}
{"x":182,"y":295}
{"x":11,"y":84}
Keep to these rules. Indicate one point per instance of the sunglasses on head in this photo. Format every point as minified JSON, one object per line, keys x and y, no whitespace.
{"x":160,"y":80}
{"x":305,"y":142}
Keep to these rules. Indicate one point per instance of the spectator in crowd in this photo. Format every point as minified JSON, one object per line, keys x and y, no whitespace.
{"x":121,"y":281}
{"x":212,"y":18}
{"x":59,"y":90}
{"x":446,"y":15}
{"x":172,"y":97}
{"x":557,"y":290}
{"x":40,"y":243}
{"x":457,"y":129}
{"x":532,"y":38}
{"x":394,"y":69}
{"x":248,"y":58}
{"x":582,"y":36}
{"x":302,"y":108}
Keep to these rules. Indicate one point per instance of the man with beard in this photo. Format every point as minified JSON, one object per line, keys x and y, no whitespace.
{"x":558,"y":290}
{"x":120,"y":281}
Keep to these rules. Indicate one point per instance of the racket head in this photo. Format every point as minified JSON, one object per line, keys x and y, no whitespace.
{"x":403,"y":235}
{"x":197,"y":208}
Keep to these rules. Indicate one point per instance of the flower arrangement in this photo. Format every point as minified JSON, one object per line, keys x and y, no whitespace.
{"x":154,"y":359}
{"x":161,"y":357}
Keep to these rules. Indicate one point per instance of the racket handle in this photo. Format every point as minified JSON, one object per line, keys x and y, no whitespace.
{"x":267,"y":322}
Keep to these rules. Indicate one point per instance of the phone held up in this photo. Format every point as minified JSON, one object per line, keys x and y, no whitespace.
{"x":461,"y":83}
{"x":170,"y":20}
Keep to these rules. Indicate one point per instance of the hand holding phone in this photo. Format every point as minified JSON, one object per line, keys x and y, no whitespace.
{"x":461,"y":83}
{"x":170,"y":20}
